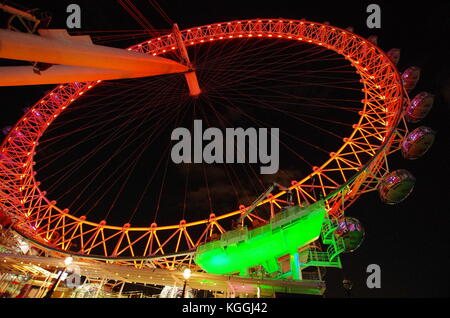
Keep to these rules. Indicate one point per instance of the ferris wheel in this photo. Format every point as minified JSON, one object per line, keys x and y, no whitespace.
{"x":337,"y":97}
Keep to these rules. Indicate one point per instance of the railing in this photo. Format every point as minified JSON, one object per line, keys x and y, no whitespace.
{"x":328,"y":228}
{"x":329,"y":258}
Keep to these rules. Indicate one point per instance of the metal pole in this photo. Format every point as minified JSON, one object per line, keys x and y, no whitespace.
{"x":42,"y":288}
{"x":121,"y":289}
{"x":295,"y":266}
{"x":52,"y":289}
{"x":102,"y":283}
{"x":184,"y":289}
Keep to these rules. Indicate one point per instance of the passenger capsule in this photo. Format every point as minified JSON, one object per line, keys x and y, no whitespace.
{"x":373,"y":39}
{"x":410,"y":77}
{"x":396,"y":186}
{"x":6,"y":130}
{"x":394,"y":55}
{"x":419,"y":107}
{"x":417,"y":143}
{"x":352,"y":232}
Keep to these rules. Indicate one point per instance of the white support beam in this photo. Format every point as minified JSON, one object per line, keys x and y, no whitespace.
{"x":59,"y":74}
{"x":57,"y":47}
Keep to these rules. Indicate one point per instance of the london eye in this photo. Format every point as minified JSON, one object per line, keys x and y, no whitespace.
{"x":86,"y":173}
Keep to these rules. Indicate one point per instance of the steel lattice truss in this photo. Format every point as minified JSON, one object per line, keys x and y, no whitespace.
{"x":357,"y":167}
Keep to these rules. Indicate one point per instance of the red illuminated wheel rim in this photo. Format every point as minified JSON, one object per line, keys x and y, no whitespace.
{"x":356,"y":167}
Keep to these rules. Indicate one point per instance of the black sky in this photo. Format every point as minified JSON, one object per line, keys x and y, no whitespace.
{"x":410,"y":240}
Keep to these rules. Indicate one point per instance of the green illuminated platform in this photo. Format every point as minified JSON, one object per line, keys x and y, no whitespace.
{"x":241,"y":249}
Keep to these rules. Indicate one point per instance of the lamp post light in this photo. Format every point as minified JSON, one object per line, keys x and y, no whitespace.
{"x":67,"y":262}
{"x":348,"y":286}
{"x":186,"y":275}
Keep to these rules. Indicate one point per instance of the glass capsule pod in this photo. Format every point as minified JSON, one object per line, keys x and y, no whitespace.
{"x":394,"y":55}
{"x":396,"y":186}
{"x":419,"y":107}
{"x":418,"y":142}
{"x":410,"y":77}
{"x":352,"y":232}
{"x":6,"y":130}
{"x":373,"y":39}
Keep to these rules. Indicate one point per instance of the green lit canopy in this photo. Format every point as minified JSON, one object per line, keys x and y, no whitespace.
{"x":241,"y":249}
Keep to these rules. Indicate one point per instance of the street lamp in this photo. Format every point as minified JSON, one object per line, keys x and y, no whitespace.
{"x":186,"y":275}
{"x":67,"y":262}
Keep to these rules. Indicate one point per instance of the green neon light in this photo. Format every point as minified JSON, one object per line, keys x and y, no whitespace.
{"x":241,"y":249}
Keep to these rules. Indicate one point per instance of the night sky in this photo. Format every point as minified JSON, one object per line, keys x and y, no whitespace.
{"x":409,"y":240}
